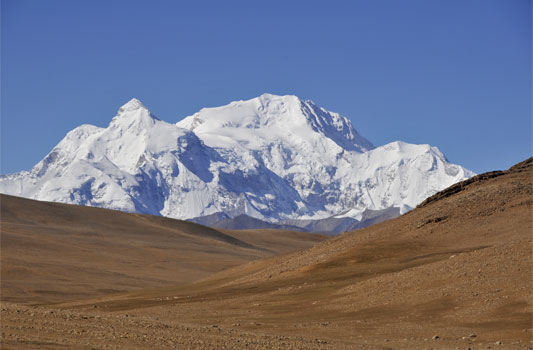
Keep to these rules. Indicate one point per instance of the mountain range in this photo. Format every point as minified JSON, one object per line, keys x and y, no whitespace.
{"x":453,"y":273}
{"x":277,"y":159}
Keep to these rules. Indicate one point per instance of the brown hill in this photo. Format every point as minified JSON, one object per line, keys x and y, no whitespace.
{"x":56,"y":252}
{"x":455,"y":273}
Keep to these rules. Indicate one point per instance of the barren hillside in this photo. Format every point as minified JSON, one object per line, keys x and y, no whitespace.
{"x":55,"y":252}
{"x":455,"y":273}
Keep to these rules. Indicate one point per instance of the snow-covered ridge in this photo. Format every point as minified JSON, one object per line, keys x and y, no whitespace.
{"x":270,"y":118}
{"x":271,"y":157}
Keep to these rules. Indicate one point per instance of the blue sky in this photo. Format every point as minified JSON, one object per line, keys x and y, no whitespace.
{"x":454,"y":74}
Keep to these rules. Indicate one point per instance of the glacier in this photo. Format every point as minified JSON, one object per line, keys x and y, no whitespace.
{"x":273,"y":158}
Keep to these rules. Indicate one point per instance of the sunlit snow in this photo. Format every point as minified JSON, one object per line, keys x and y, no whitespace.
{"x":271,"y":157}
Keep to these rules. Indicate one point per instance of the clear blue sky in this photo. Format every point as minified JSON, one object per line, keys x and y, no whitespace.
{"x":455,"y":74}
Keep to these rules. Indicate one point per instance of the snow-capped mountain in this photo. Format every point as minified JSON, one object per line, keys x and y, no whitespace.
{"x":272,"y":157}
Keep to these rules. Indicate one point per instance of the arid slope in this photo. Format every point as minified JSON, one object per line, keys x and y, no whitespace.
{"x":53,"y":252}
{"x":455,"y":273}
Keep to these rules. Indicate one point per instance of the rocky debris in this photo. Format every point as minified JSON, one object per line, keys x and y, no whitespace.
{"x":461,"y":186}
{"x":25,"y":327}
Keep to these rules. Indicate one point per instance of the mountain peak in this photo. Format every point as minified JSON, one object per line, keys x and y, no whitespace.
{"x":330,"y":124}
{"x":133,"y":115}
{"x":132,"y":105}
{"x":269,"y":96}
{"x":267,"y":99}
{"x":269,"y":118}
{"x":271,"y":157}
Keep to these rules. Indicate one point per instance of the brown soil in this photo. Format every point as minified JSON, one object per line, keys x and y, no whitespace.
{"x":53,"y":252}
{"x":455,"y":273}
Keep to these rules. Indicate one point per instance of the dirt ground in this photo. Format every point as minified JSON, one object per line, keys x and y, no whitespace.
{"x":52,"y":252}
{"x":455,"y":273}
